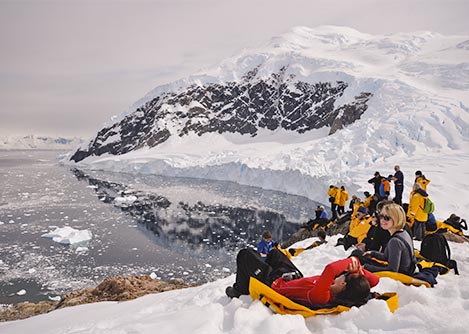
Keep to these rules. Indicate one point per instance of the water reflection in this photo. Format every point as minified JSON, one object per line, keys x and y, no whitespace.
{"x":205,"y":221}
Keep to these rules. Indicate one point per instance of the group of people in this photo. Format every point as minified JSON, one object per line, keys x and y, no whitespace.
{"x":418,"y":219}
{"x":379,"y":230}
{"x":346,"y":282}
{"x":338,"y":197}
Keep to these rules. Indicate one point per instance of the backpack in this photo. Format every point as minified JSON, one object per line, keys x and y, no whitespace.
{"x":428,"y":206}
{"x":434,"y":247}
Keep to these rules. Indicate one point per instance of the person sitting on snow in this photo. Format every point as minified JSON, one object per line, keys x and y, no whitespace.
{"x":266,"y":244}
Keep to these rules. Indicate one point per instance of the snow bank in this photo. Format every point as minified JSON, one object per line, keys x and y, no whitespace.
{"x":206,"y":309}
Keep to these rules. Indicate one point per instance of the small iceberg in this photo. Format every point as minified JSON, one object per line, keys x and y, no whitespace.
{"x":68,"y":235}
{"x":124,"y":201}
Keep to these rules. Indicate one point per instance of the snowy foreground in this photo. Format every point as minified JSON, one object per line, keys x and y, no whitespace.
{"x":206,"y":309}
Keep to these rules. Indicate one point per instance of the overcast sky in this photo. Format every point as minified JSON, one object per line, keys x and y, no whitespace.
{"x":67,"y":66}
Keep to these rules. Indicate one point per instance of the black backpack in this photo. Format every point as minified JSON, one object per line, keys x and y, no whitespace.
{"x":435,"y":248}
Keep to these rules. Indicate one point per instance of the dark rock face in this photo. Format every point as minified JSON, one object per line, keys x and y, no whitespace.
{"x":241,"y":107}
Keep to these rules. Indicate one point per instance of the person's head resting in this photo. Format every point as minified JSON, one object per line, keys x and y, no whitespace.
{"x":266,"y":235}
{"x":350,"y":290}
{"x":396,"y":213}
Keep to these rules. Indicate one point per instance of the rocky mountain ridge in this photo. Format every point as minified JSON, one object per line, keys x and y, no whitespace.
{"x":241,"y":107}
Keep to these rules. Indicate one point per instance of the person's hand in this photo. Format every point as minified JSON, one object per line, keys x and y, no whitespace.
{"x":361,"y":246}
{"x":354,"y":267}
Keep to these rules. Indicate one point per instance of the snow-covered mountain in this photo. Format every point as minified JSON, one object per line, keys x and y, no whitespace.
{"x":310,"y":108}
{"x":33,"y":142}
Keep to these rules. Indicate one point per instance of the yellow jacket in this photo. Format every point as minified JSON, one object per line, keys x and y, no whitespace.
{"x":332,"y":192}
{"x":343,"y":197}
{"x":416,"y":204}
{"x":367,"y":201}
{"x":356,"y":205}
{"x":359,"y":228}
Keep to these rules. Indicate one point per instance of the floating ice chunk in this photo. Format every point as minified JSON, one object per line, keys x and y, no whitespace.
{"x":81,"y":249}
{"x":226,"y":270}
{"x":208,"y":265}
{"x":1,"y":223}
{"x":125,"y":200}
{"x":31,"y":271}
{"x":68,"y":235}
{"x":11,"y":221}
{"x":55,"y":298}
{"x":21,"y":292}
{"x":153,"y":275}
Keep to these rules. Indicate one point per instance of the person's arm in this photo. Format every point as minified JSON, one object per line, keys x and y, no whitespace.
{"x":371,"y":278}
{"x":394,"y":253}
{"x":320,"y":293}
{"x":261,"y":248}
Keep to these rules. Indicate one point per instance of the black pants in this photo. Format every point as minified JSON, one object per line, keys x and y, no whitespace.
{"x":399,"y":188}
{"x":334,"y":211}
{"x":340,"y":210}
{"x":250,"y":264}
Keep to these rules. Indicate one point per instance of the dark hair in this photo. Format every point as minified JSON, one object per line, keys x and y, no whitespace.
{"x":266,"y":235}
{"x":382,"y":203}
{"x":322,"y":234}
{"x":356,"y":292}
{"x":418,"y":173}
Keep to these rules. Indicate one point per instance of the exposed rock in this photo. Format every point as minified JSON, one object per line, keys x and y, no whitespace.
{"x":456,"y":238}
{"x":243,"y":107}
{"x":111,"y":289}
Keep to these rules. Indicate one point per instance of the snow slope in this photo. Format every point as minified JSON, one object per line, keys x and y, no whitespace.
{"x":419,"y":110}
{"x":206,"y":309}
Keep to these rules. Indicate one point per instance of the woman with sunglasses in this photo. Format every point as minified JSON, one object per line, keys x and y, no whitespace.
{"x":399,"y":252}
{"x":342,"y":282}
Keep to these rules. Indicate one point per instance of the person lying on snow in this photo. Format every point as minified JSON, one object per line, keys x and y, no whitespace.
{"x":343,"y":282}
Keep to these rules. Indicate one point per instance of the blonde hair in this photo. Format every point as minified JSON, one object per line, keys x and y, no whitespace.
{"x":396,"y":212}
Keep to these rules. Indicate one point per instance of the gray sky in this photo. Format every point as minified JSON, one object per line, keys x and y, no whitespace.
{"x":67,"y":66}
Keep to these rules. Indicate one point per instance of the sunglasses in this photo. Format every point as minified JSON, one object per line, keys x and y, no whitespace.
{"x":384,"y":217}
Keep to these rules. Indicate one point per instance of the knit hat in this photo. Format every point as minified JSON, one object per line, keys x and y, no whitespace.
{"x":363,"y":210}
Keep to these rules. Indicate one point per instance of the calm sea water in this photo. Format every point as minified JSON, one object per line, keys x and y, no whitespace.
{"x":173,"y":227}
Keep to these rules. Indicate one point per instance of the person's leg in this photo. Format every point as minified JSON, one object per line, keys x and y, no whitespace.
{"x":398,"y":198}
{"x":334,"y":211}
{"x":280,"y":265}
{"x":349,"y":242}
{"x":419,"y":230}
{"x":249,"y":263}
